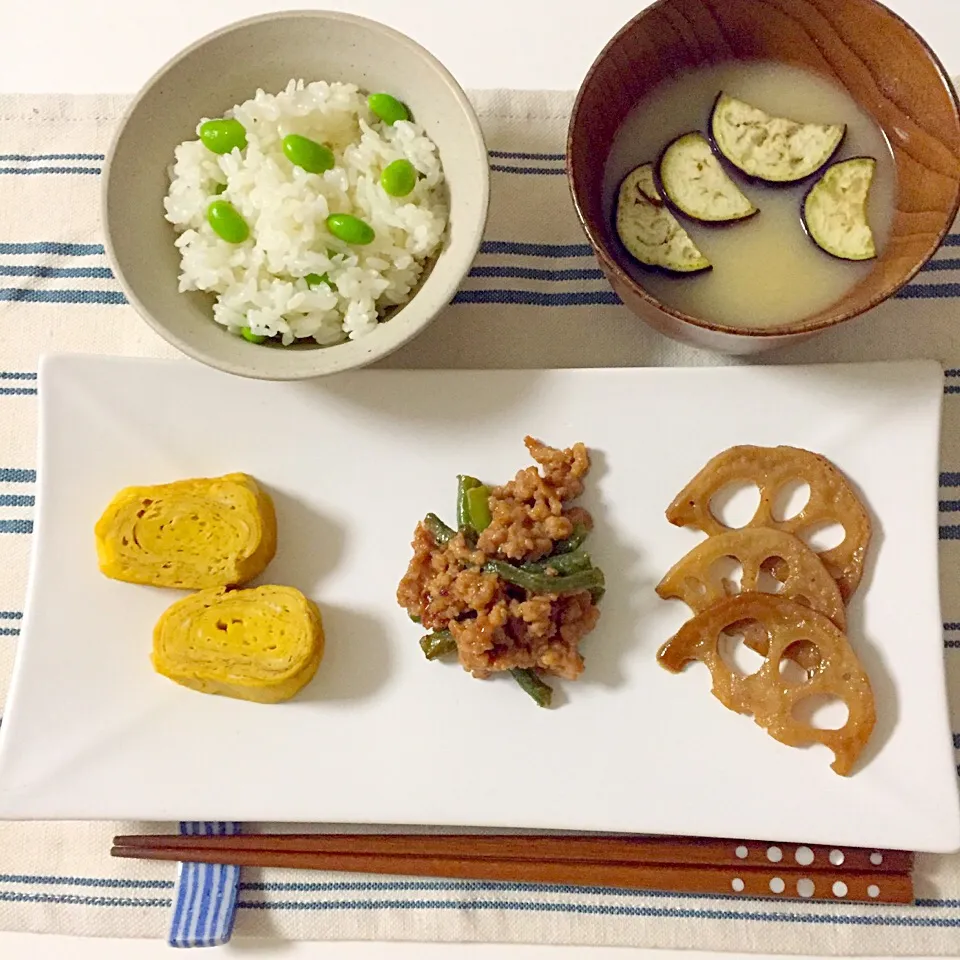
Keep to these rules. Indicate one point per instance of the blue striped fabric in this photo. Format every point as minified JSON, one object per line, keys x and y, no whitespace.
{"x":205,"y":897}
{"x":535,"y":171}
{"x":23,"y":164}
{"x":16,"y":526}
{"x":39,"y":157}
{"x":18,"y":475}
{"x":37,"y":276}
{"x":16,"y":500}
{"x":52,"y":246}
{"x":514,"y":155}
{"x":41,"y":272}
{"x":42,"y":170}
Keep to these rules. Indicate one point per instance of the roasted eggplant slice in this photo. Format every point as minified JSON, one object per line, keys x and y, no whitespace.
{"x":693,"y":180}
{"x":771,"y":148}
{"x":649,"y":231}
{"x":835,"y":210}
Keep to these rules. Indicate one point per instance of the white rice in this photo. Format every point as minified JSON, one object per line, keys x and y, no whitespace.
{"x":259,"y":283}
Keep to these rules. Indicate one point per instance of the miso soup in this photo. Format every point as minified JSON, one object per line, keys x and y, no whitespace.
{"x":767,"y":272}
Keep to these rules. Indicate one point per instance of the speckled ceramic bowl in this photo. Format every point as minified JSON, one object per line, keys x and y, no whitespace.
{"x":226,"y":68}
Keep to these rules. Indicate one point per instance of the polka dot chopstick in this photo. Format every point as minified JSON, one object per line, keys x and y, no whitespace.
{"x":675,"y":864}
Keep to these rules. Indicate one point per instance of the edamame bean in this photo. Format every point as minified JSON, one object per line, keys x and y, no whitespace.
{"x":248,"y":334}
{"x":303,"y":152}
{"x":388,"y":109}
{"x":398,"y":178}
{"x":221,"y":136}
{"x":227,"y":222}
{"x":350,"y":229}
{"x":315,"y":279}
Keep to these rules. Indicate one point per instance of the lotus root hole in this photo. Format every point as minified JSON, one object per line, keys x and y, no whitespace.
{"x":728,"y":572}
{"x":696,"y":586}
{"x":768,"y":580}
{"x":822,"y":712}
{"x":825,"y":535}
{"x":734,"y":652}
{"x":799,"y":661}
{"x":790,"y":500}
{"x":735,"y":504}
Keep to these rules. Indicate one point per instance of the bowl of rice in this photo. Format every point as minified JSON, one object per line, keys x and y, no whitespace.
{"x":295,"y":195}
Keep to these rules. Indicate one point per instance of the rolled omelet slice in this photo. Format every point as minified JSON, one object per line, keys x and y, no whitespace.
{"x":192,"y":534}
{"x":263,"y":644}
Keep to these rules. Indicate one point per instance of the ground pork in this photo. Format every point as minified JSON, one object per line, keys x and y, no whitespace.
{"x":497,"y":625}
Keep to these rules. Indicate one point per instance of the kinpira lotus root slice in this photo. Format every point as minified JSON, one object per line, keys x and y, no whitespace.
{"x":649,"y":231}
{"x":190,"y":534}
{"x":774,"y":696}
{"x":262,"y":644}
{"x":694,"y":181}
{"x":835,"y":210}
{"x":771,"y":148}
{"x":771,"y":469}
{"x":698,"y":579}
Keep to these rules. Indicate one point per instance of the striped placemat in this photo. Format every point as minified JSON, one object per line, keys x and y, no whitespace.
{"x":535,"y":298}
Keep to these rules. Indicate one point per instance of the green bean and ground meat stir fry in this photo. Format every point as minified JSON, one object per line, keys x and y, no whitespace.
{"x":511,"y":587}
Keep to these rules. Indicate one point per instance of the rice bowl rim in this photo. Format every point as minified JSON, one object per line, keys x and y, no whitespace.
{"x":314,"y":360}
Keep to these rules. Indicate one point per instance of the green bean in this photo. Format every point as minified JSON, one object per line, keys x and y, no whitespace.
{"x":414,"y":618}
{"x":248,"y":334}
{"x":306,"y":153}
{"x":227,"y":221}
{"x":464,"y":485}
{"x":437,"y":529}
{"x":388,"y":108}
{"x":591,"y":579}
{"x":221,"y":136}
{"x":350,"y":229}
{"x":531,"y":683}
{"x":315,"y":279}
{"x":438,"y":644}
{"x":564,"y":563}
{"x":478,"y":508}
{"x":398,"y":178}
{"x":573,"y":542}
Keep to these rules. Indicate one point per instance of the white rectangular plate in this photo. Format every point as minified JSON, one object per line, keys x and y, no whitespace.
{"x":381,"y":735}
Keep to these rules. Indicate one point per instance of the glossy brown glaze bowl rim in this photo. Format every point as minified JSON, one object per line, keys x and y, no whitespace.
{"x":612,"y":265}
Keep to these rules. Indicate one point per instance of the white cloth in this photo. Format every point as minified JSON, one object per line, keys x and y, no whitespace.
{"x":55,"y":294}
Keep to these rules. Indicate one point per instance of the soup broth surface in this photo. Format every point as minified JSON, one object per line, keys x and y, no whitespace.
{"x":766,"y":271}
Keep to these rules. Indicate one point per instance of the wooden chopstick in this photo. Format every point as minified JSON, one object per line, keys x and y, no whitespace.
{"x":669,"y":864}
{"x":573,"y":849}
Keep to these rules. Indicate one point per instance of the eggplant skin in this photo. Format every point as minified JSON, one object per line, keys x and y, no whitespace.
{"x":834,"y":210}
{"x":695,"y":183}
{"x":651,"y":234}
{"x":770,"y":149}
